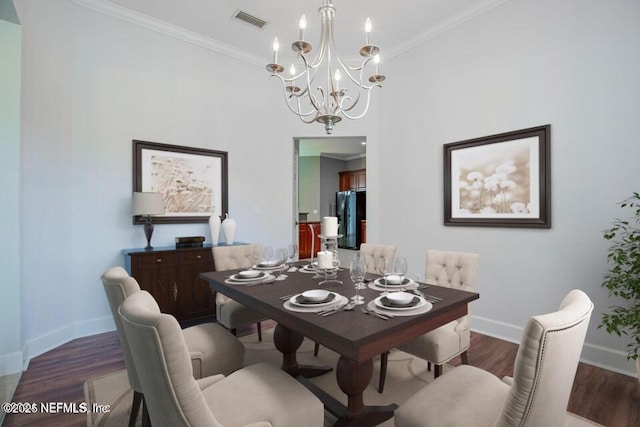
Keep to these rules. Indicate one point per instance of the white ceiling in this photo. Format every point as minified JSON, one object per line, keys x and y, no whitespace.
{"x":398,"y":25}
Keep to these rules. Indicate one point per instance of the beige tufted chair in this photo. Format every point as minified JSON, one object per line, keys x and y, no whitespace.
{"x":212,"y":349}
{"x":230,"y":313}
{"x":453,"y":270}
{"x":374,"y":252}
{"x":260,"y":395}
{"x":536,"y":396}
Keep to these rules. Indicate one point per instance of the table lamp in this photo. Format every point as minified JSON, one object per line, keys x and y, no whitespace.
{"x":146,"y":204}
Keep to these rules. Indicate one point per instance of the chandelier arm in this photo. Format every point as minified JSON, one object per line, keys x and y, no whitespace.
{"x":361,"y":115}
{"x":299,"y":111}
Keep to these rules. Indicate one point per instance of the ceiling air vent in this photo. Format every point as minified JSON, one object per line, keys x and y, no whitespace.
{"x":249,"y":19}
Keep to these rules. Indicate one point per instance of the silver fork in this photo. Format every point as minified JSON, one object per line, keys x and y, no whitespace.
{"x":330,"y":310}
{"x":366,"y":310}
{"x":346,"y":307}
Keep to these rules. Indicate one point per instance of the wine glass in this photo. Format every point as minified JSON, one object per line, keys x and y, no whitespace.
{"x":267,"y":254}
{"x":292,"y":252}
{"x":385,"y":265}
{"x":357,"y":271}
{"x":400,"y":267}
{"x":256,"y":254}
{"x":280,"y":257}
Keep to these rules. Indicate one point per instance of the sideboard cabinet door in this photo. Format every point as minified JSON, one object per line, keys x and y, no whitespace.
{"x":155,"y":272}
{"x":196,"y":298}
{"x":172,"y":277}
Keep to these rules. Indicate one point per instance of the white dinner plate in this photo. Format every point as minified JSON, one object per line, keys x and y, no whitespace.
{"x":405,"y":282}
{"x":298,"y":301}
{"x":419,"y":303}
{"x":239,"y":278}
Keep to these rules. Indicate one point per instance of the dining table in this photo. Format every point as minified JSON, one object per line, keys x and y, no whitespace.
{"x":356,"y":336}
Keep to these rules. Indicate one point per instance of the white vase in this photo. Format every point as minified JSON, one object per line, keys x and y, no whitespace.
{"x":229,"y":229}
{"x":214,"y":227}
{"x":638,"y":368}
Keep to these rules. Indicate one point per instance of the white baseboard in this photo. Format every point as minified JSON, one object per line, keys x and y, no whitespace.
{"x":592,"y":354}
{"x":10,"y":363}
{"x":53,"y":339}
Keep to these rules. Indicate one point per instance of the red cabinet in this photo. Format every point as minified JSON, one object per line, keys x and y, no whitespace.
{"x":304,"y":239}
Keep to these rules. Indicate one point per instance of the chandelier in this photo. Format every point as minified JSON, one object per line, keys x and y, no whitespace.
{"x":346,"y":87}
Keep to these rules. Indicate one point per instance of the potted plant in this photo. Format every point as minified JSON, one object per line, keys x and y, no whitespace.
{"x":623,"y":278}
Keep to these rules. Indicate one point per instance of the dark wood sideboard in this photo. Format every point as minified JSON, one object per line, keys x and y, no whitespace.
{"x":171,"y":276}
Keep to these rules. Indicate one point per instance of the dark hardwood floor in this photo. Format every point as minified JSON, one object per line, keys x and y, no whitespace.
{"x":603,"y":396}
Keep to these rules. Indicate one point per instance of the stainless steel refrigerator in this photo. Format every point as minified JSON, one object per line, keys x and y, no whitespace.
{"x":351,"y":208}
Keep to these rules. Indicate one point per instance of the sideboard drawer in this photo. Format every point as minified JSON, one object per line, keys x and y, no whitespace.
{"x":190,"y":257}
{"x":155,"y":260}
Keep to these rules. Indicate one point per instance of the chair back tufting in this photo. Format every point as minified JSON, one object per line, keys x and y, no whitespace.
{"x":451,"y":269}
{"x":373,"y":252}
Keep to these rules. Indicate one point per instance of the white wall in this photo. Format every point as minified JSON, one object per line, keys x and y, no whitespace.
{"x":91,"y":84}
{"x":10,"y":345}
{"x":572,"y":64}
{"x":309,"y":186}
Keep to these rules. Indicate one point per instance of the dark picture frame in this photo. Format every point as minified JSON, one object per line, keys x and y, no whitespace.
{"x":501,"y":180}
{"x":193,"y":181}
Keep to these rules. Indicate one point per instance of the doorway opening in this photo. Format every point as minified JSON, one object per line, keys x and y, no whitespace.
{"x":329,"y":180}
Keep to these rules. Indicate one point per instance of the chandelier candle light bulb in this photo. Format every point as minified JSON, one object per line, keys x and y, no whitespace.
{"x":367,"y":30}
{"x":276,"y":48}
{"x":303,"y":26}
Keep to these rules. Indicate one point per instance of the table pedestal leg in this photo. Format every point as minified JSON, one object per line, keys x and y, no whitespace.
{"x":287,"y":342}
{"x":353,"y":378}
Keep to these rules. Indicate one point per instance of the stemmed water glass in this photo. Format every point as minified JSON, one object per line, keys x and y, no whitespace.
{"x":256,"y":255}
{"x":385,"y":265}
{"x":292,"y":252}
{"x":357,"y":271}
{"x":400,"y":267}
{"x":267,"y":254}
{"x":281,"y":256}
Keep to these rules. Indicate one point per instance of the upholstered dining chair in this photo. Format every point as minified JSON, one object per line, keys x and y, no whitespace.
{"x":260,"y":395}
{"x":536,"y":396}
{"x":212,"y":349}
{"x":453,"y":270}
{"x":230,"y":313}
{"x":373,"y":252}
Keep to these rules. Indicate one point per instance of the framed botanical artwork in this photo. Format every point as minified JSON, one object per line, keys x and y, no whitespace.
{"x":192,"y":181}
{"x":500,"y":180}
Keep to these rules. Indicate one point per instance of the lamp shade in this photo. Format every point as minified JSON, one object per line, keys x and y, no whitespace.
{"x":148,"y":203}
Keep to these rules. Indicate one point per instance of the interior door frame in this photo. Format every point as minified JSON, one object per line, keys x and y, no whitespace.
{"x":296,"y":181}
{"x":295,"y":189}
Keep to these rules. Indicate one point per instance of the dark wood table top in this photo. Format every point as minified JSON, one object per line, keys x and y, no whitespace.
{"x":353,"y":334}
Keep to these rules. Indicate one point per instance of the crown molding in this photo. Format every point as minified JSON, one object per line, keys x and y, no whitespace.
{"x":125,"y":14}
{"x":450,"y":23}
